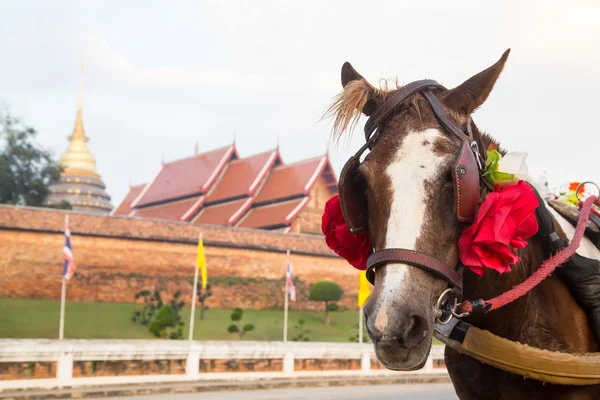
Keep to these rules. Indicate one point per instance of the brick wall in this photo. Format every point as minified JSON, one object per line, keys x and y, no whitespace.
{"x":133,"y":367}
{"x":248,"y":365}
{"x":81,"y":369}
{"x":27,"y":370}
{"x":116,"y":257}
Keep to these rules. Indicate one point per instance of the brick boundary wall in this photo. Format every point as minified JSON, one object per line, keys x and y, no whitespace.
{"x":118,"y":256}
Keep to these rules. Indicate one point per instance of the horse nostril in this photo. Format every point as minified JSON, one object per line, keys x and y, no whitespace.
{"x":415,"y":332}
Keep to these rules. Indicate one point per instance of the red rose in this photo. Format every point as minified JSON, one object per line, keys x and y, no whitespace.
{"x":354,"y":248}
{"x":504,"y":220}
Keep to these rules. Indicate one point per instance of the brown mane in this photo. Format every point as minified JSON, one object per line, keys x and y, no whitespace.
{"x":347,"y":106}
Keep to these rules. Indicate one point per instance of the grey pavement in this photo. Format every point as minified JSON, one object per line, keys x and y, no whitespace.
{"x":432,"y":391}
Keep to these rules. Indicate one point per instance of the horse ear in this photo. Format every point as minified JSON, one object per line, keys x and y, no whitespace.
{"x":349,"y":74}
{"x":472,"y":93}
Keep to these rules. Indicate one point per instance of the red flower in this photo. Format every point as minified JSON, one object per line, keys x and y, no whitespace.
{"x":573,"y":186}
{"x":354,"y":248}
{"x":505,"y":218}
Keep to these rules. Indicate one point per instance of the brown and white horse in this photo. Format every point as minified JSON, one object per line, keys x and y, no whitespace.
{"x":409,"y":191}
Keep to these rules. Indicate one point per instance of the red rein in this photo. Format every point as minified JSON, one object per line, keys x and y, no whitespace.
{"x":593,"y":209}
{"x":544,"y":271}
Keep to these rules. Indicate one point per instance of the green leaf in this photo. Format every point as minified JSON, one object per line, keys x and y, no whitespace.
{"x":491,"y":165}
{"x":493,"y":157}
{"x":502,"y":176}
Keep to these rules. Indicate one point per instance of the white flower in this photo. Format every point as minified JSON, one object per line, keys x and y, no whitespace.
{"x":513,"y":163}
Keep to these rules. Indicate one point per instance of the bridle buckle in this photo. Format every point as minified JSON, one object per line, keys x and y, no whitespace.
{"x":478,"y":158}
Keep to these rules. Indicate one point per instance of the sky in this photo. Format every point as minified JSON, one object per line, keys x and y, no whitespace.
{"x":162,"y":76}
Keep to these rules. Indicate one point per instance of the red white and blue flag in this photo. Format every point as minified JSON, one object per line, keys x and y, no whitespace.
{"x":290,"y":281}
{"x":69,"y":263}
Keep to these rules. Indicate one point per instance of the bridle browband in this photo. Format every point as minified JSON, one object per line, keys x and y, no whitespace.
{"x":465,"y":173}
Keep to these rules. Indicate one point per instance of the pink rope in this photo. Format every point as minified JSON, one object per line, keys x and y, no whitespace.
{"x":544,"y":271}
{"x":594,"y":211}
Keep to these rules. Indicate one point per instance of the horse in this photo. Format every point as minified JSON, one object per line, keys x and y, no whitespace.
{"x":406,"y":183}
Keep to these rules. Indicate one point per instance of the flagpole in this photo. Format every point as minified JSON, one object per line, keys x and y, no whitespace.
{"x":196,"y":268}
{"x":63,"y":296}
{"x":363,"y":294}
{"x":285,"y":314}
{"x":62,"y":309}
{"x":360,"y":325}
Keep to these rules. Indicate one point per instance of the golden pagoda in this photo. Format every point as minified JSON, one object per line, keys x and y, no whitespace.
{"x":80,"y":185}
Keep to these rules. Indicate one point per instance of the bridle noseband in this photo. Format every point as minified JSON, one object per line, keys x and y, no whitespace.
{"x":466,"y":174}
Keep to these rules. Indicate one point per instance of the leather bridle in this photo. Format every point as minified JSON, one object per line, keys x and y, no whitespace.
{"x":466,"y":175}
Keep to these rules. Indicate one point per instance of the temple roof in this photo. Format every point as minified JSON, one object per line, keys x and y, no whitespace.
{"x":220,"y":188}
{"x":225,"y":214}
{"x":291,"y":180}
{"x":273,"y":215}
{"x":175,"y":210}
{"x":243,"y":176}
{"x":124,"y":208}
{"x":186,"y":177}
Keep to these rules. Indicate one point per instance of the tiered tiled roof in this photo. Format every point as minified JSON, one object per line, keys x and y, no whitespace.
{"x":125,"y":207}
{"x":186,"y":177}
{"x":220,"y":188}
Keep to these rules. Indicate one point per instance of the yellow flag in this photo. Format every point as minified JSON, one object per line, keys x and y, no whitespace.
{"x":364,"y":290}
{"x":201,"y":262}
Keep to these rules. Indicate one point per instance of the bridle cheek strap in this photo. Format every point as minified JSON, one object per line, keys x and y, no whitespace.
{"x":465,"y":175}
{"x":414,"y":258}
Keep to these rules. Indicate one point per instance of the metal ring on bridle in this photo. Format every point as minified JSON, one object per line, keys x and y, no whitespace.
{"x":583,"y":184}
{"x":438,"y":309}
{"x":455,"y":314}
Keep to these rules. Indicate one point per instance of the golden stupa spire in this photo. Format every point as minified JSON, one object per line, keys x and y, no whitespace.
{"x":78,"y":132}
{"x":77,"y":159}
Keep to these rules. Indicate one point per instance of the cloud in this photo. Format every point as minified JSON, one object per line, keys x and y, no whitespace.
{"x":102,"y":57}
{"x":160,"y":77}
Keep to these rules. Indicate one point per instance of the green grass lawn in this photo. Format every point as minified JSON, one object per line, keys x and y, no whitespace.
{"x":25,"y":318}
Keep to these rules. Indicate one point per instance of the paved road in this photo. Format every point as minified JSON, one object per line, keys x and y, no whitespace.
{"x":375,"y":392}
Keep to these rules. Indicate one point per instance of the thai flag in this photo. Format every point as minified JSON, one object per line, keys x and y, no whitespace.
{"x":290,"y":281}
{"x":69,"y":264}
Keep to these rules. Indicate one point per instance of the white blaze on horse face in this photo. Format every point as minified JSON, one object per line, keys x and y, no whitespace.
{"x":414,"y":164}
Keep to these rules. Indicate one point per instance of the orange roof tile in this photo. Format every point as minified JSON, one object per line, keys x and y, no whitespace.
{"x":273,"y":215}
{"x":186,"y":177}
{"x":243,"y":176}
{"x":292,"y":180}
{"x":176,"y":210}
{"x":223,"y":214}
{"x":124,"y":208}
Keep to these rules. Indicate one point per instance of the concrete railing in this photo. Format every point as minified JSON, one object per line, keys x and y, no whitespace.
{"x":66,"y":353}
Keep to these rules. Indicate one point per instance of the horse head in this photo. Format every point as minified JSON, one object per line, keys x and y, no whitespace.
{"x":406,"y":185}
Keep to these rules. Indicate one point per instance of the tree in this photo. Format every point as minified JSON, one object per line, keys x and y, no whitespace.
{"x":236,"y":315}
{"x":202,"y":296}
{"x":167,"y":323}
{"x":163,"y":320}
{"x":301,"y":337}
{"x":26,"y":169}
{"x":326,"y":291}
{"x":152,"y":302}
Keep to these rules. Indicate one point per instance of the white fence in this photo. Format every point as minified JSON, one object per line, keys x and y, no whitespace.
{"x":66,"y":352}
